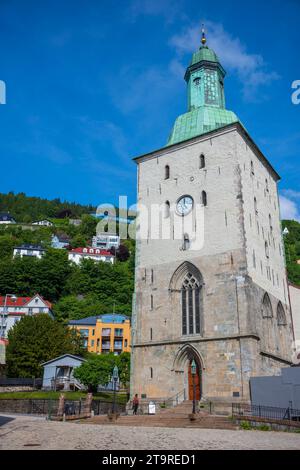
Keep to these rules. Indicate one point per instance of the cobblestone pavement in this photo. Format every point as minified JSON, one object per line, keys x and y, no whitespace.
{"x":25,"y":432}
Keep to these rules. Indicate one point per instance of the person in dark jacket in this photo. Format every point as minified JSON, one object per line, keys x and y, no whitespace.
{"x":135,"y":404}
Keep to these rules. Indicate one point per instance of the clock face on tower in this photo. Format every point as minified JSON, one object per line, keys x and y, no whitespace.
{"x":184,"y":205}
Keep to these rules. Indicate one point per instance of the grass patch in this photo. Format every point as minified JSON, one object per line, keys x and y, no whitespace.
{"x":104,"y":396}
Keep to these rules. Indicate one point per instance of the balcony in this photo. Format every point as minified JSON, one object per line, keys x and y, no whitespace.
{"x":105,"y":347}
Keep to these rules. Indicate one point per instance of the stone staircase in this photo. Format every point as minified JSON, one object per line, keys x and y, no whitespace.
{"x":177,"y":417}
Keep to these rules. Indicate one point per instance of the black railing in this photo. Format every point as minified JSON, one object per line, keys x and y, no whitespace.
{"x":15,"y":382}
{"x":267,"y":412}
{"x":50,"y":406}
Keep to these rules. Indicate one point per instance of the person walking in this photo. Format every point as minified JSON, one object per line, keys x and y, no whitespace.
{"x":135,"y":404}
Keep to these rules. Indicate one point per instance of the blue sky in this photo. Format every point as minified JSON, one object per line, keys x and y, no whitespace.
{"x":91,"y":84}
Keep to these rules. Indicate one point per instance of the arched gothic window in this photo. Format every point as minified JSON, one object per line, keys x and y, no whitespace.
{"x":281,"y":319}
{"x":167,"y":172}
{"x":202,"y":161}
{"x":267,"y":311}
{"x":190,"y":298}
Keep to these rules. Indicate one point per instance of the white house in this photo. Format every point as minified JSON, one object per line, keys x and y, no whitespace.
{"x":13,"y":308}
{"x":60,"y":241}
{"x":58,"y":373}
{"x":96,"y":254}
{"x":6,"y":218}
{"x":29,"y":250}
{"x":106,"y":241}
{"x":45,"y":223}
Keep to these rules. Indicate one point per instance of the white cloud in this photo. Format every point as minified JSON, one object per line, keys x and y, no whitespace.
{"x":146,"y":89}
{"x":289,"y":209}
{"x":250,"y":68}
{"x":291,"y":193}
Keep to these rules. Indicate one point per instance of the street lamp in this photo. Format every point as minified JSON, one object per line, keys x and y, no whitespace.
{"x":115,"y":377}
{"x":13,"y":297}
{"x":194,"y":371}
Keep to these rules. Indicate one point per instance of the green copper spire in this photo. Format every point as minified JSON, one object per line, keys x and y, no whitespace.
{"x":206,"y":98}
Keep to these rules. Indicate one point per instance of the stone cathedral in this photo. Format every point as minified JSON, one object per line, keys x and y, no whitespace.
{"x":224,"y":304}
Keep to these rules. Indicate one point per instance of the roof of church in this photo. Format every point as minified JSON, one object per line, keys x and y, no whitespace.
{"x":204,"y":53}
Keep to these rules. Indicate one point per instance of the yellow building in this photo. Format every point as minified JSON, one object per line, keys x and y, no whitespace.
{"x":104,"y":333}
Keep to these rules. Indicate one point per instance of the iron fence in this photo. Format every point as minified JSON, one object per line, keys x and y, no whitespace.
{"x":266,"y":412}
{"x":20,"y":381}
{"x":49,"y":407}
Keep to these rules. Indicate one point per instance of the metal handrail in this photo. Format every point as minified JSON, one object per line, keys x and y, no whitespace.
{"x":175,"y":397}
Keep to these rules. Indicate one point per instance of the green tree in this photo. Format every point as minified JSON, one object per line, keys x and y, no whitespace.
{"x":97,"y":370}
{"x":37,"y":339}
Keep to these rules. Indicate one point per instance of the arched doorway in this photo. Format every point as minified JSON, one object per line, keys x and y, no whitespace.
{"x":191,"y":380}
{"x":182,"y":366}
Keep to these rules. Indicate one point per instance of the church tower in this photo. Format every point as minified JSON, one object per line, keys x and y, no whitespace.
{"x":213,"y":290}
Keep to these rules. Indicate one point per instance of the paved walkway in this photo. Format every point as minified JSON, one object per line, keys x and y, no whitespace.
{"x":25,"y":432}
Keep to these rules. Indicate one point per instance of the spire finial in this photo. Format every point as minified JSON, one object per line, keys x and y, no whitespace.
{"x":203,"y":38}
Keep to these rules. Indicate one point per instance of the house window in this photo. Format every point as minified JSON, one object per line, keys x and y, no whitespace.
{"x":125,"y":343}
{"x":98,"y":342}
{"x":204,"y":198}
{"x":106,"y":331}
{"x":93,"y":332}
{"x":167,"y":172}
{"x":92,"y":343}
{"x":202,"y":161}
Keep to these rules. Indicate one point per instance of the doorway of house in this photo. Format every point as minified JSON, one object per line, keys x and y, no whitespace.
{"x":197,"y":379}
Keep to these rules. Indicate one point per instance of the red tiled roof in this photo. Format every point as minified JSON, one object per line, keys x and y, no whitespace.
{"x":20,"y":301}
{"x":91,"y":251}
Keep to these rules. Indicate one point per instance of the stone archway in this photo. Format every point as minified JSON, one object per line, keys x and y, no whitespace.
{"x":182,"y":363}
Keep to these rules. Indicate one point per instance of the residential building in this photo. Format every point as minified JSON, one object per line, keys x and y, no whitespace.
{"x":96,"y":254}
{"x":106,"y":241}
{"x":6,"y":218}
{"x":212,"y":290}
{"x":58,"y":373}
{"x":13,"y":308}
{"x":60,"y":241}
{"x":104,"y":333}
{"x":29,"y":250}
{"x":44,"y":223}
